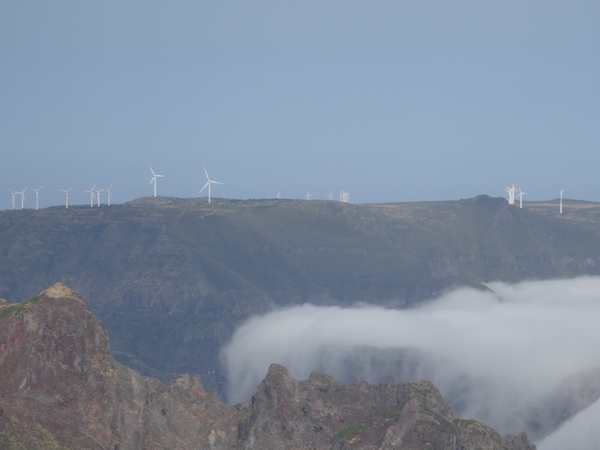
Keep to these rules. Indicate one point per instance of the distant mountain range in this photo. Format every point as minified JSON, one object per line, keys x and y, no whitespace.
{"x":61,"y":389}
{"x":172,"y":278}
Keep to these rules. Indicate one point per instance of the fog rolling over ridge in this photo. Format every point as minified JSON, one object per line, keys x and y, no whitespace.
{"x":515,"y":358}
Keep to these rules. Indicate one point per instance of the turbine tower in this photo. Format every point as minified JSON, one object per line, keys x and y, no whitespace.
{"x":13,"y":198}
{"x":561,"y":194}
{"x":208,"y":183}
{"x":37,"y":191}
{"x":520,"y":195}
{"x":91,"y":191}
{"x":153,"y":180}
{"x":307,"y":196}
{"x":67,"y":196}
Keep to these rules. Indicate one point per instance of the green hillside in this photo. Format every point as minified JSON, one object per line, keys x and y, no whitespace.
{"x":171,"y":278}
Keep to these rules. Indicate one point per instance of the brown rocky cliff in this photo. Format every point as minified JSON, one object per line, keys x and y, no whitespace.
{"x":326,"y":414}
{"x":56,"y":370}
{"x":60,"y":388}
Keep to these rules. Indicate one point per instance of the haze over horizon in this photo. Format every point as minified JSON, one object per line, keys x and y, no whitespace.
{"x":399,"y":101}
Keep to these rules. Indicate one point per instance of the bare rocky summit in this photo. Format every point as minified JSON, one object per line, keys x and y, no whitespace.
{"x":58,"y":379}
{"x":60,"y":388}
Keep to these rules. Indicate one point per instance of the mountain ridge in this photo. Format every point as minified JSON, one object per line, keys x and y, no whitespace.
{"x":172,"y":278}
{"x":61,"y":388}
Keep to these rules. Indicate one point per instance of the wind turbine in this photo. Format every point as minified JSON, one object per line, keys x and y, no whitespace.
{"x":561,"y":193}
{"x":511,"y":193}
{"x":153,"y":180}
{"x":521,"y":194}
{"x":344,"y":197}
{"x":307,"y":196}
{"x":330,"y":195}
{"x":37,"y":191}
{"x":109,"y":194}
{"x":67,"y":196}
{"x":98,"y":192}
{"x":278,"y":196}
{"x":22,"y":194}
{"x":13,"y":198}
{"x":91,"y":191}
{"x":208,"y":183}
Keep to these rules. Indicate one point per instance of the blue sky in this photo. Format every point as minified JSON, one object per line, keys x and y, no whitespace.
{"x":389,"y":101}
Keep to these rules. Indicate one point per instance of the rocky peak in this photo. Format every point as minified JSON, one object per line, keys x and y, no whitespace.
{"x":57,"y":373}
{"x":59,"y":290}
{"x":324,"y":413}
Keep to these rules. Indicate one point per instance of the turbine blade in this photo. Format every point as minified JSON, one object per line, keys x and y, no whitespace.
{"x":216,"y":182}
{"x":204,"y":187}
{"x":206,"y":173}
{"x":153,"y":174}
{"x":152,"y":180}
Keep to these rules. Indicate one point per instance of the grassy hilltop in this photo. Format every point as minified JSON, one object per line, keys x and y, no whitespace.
{"x":173,"y":277}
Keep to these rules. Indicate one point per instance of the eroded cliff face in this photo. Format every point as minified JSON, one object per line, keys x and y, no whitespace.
{"x":60,"y":388}
{"x":324,"y":413}
{"x":56,"y":371}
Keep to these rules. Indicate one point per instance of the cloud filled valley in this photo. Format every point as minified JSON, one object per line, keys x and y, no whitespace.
{"x":517,"y":357}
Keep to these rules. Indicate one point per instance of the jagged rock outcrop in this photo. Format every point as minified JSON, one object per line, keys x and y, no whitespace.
{"x":324,"y":413}
{"x":56,"y":372}
{"x":60,"y":388}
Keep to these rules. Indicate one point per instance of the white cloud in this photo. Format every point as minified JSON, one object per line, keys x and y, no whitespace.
{"x":581,"y":433}
{"x":499,"y":356}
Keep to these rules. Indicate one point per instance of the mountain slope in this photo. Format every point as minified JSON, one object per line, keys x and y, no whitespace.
{"x":173,"y":277}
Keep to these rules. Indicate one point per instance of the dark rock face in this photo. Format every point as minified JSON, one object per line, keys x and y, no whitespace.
{"x":60,"y":388}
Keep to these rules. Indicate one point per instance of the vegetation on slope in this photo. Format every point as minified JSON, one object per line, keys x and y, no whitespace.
{"x":173,"y":277}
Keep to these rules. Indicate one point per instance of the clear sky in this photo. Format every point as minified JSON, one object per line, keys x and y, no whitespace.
{"x":387,"y":100}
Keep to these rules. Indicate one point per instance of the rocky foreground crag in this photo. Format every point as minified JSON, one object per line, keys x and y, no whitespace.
{"x":60,"y":388}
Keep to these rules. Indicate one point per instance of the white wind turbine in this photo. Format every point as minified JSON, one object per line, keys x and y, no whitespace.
{"x":520,"y":195}
{"x":92,"y":195}
{"x":307,"y":196}
{"x":208,"y":183}
{"x":278,"y":196}
{"x":109,"y":194}
{"x":37,"y":191}
{"x":344,"y":197}
{"x":98,"y":195}
{"x":511,"y":193}
{"x":22,"y":194}
{"x":153,"y":180}
{"x":67,"y":196}
{"x":13,"y":197}
{"x":330,"y":195}
{"x":561,"y":196}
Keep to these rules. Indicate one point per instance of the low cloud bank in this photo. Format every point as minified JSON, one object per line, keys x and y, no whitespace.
{"x":511,"y":358}
{"x":580,"y":433}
